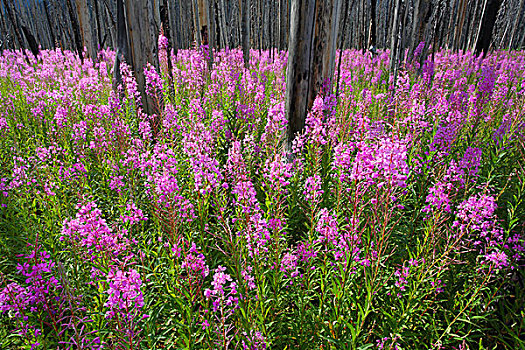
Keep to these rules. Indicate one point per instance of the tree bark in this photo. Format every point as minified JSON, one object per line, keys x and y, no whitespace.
{"x":84,"y":19}
{"x":394,"y":35}
{"x":76,"y":30}
{"x":373,"y":24}
{"x":97,"y":21}
{"x":224,"y":32}
{"x":341,"y":44}
{"x":212,"y":33}
{"x":11,"y":17}
{"x":166,"y":29}
{"x":51,"y":28}
{"x":196,"y":23}
{"x":122,"y":45}
{"x":517,"y":15}
{"x":312,"y":44}
{"x":245,"y":29}
{"x":202,"y":10}
{"x":487,"y":25}
{"x":283,"y":24}
{"x":143,"y":28}
{"x":172,"y":13}
{"x":33,"y":45}
{"x":4,"y":35}
{"x":218,"y":25}
{"x":422,"y":12}
{"x":458,"y":30}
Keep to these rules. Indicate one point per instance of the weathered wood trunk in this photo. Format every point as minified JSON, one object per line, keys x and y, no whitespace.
{"x":122,"y":45}
{"x":18,"y":22}
{"x":422,"y":12}
{"x":311,"y":57}
{"x":341,"y":45}
{"x":196,"y":23}
{"x":458,"y":30}
{"x":487,"y":25}
{"x":218,"y":31}
{"x":4,"y":33}
{"x":33,"y":45}
{"x":85,"y":20}
{"x":174,"y":18}
{"x":97,"y":21}
{"x":143,"y":25}
{"x":245,"y":29}
{"x":211,"y":33}
{"x":12,"y":20}
{"x":165,"y":21}
{"x":373,"y":24}
{"x":394,"y":42}
{"x":76,"y":30}
{"x":204,"y":20}
{"x":517,"y":15}
{"x":109,"y":24}
{"x":283,"y":23}
{"x":224,"y":29}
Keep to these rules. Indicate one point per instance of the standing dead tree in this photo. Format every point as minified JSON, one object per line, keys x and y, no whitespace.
{"x":85,"y":20}
{"x":311,"y":57}
{"x":488,"y":20}
{"x":9,"y":11}
{"x":122,"y":44}
{"x":245,"y":29}
{"x":396,"y":24}
{"x":143,"y":27}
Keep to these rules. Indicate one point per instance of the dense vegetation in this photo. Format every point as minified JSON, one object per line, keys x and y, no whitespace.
{"x":398,"y":222}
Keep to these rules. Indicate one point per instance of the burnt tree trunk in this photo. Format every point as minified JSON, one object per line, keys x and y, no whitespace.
{"x":143,"y":25}
{"x":211,"y":33}
{"x":196,"y":23}
{"x":245,"y":29}
{"x":422,"y":13}
{"x":394,"y":42}
{"x":51,"y":27}
{"x":204,"y":20}
{"x":166,"y":29}
{"x":487,"y":25}
{"x":174,"y":16}
{"x":97,"y":21}
{"x":122,"y":45}
{"x":460,"y":20}
{"x":312,"y":44}
{"x":76,"y":30}
{"x":341,"y":45}
{"x":517,"y":15}
{"x":218,"y":31}
{"x":33,"y":45}
{"x":224,"y":29}
{"x":282,"y":24}
{"x":373,"y":25}
{"x":84,"y":19}
{"x":11,"y":17}
{"x":4,"y":34}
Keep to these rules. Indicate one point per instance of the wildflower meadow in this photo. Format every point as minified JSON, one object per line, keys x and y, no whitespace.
{"x":397,"y":222}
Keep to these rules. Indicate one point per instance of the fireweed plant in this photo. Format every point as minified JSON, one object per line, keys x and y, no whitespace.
{"x":398,"y":223}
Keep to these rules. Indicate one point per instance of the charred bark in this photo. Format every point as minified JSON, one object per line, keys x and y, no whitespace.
{"x":76,"y":30}
{"x":245,"y":29}
{"x":122,"y":45}
{"x":33,"y":45}
{"x":312,"y":44}
{"x":487,"y":25}
{"x":373,"y":24}
{"x":51,"y":28}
